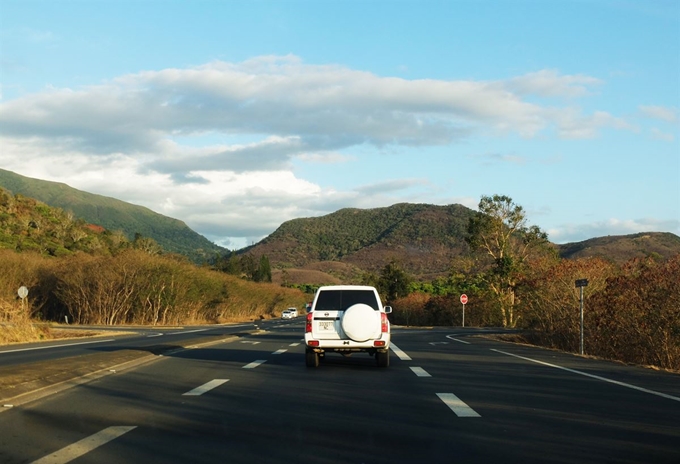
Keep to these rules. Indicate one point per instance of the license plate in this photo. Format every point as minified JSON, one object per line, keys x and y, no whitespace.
{"x":327,"y":326}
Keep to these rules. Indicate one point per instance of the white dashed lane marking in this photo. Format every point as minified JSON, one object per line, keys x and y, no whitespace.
{"x":84,"y":446}
{"x":403,"y":356}
{"x":206,"y":387}
{"x":420,"y":372}
{"x":457,"y":405}
{"x":279,"y":351}
{"x":254,"y":364}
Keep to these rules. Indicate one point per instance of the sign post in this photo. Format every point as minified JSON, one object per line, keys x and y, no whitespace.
{"x":580,"y":283}
{"x":23,"y":293}
{"x":464,"y":300}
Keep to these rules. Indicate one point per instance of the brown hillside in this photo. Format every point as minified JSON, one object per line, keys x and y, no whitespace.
{"x":621,"y":248}
{"x":423,"y":239}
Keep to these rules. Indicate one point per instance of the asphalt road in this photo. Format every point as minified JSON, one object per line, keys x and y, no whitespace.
{"x":150,"y":339}
{"x":448,"y":396}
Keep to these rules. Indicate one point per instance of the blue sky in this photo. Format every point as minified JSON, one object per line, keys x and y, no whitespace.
{"x":236,"y":116}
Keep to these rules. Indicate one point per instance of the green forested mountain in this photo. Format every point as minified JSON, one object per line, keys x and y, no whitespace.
{"x":421,"y":238}
{"x":115,"y":215}
{"x":27,"y":224}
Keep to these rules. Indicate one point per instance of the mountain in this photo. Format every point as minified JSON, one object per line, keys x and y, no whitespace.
{"x":621,"y":248}
{"x":27,"y":224}
{"x":115,"y":215}
{"x":422,"y":238}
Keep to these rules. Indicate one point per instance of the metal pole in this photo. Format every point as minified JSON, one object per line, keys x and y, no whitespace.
{"x":581,"y":310}
{"x":463,"y":315}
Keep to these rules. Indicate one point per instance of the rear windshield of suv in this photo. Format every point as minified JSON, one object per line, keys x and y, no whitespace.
{"x":343,"y":299}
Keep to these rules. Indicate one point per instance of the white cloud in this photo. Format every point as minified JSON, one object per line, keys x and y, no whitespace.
{"x":324,"y":107}
{"x":657,"y":134}
{"x":391,"y":186}
{"x":156,"y":138}
{"x":573,"y":124}
{"x":325,"y":158}
{"x":549,"y":83}
{"x":660,"y":112}
{"x":492,"y":158}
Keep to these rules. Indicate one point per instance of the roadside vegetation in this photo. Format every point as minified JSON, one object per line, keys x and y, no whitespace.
{"x":130,"y":287}
{"x":513,"y":279}
{"x":512,"y":275}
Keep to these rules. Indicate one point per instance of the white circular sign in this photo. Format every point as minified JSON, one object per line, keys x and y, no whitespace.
{"x":23,"y":292}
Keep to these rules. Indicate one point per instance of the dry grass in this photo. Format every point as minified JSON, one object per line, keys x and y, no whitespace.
{"x":17,"y":327}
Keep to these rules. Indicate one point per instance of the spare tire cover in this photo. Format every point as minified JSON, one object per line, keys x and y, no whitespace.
{"x":361,"y":322}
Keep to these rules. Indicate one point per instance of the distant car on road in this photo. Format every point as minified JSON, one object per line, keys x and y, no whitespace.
{"x":293,"y":311}
{"x":286,"y":314}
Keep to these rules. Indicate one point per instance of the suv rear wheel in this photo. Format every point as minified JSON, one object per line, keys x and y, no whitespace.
{"x":311,"y":358}
{"x":382,"y":358}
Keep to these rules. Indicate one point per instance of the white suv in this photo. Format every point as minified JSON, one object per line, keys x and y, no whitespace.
{"x":347,"y":319}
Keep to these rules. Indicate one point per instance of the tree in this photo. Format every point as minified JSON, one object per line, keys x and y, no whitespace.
{"x":264,"y":271}
{"x":550,"y":299}
{"x":146,"y":244}
{"x":393,"y":282}
{"x":500,"y":232}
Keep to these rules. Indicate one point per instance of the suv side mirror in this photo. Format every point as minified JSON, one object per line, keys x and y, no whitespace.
{"x":388,"y":309}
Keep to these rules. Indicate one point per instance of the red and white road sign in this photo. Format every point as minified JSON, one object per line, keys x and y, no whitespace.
{"x":464,"y":298}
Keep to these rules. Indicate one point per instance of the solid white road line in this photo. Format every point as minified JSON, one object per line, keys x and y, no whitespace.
{"x":55,"y":346}
{"x":403,"y":356}
{"x":459,"y":407}
{"x":420,"y":372}
{"x":279,"y":351}
{"x":592,"y":376}
{"x":85,"y":445}
{"x":450,"y":337}
{"x":198,"y":391}
{"x":187,"y":332}
{"x":254,"y":364}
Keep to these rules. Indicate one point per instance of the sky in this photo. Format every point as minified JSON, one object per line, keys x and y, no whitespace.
{"x":236,"y":116}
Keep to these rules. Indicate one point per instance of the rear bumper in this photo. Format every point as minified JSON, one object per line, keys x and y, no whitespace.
{"x":379,"y":344}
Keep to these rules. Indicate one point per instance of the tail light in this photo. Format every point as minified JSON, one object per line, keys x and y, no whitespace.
{"x":383,"y":322}
{"x":308,"y":325}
